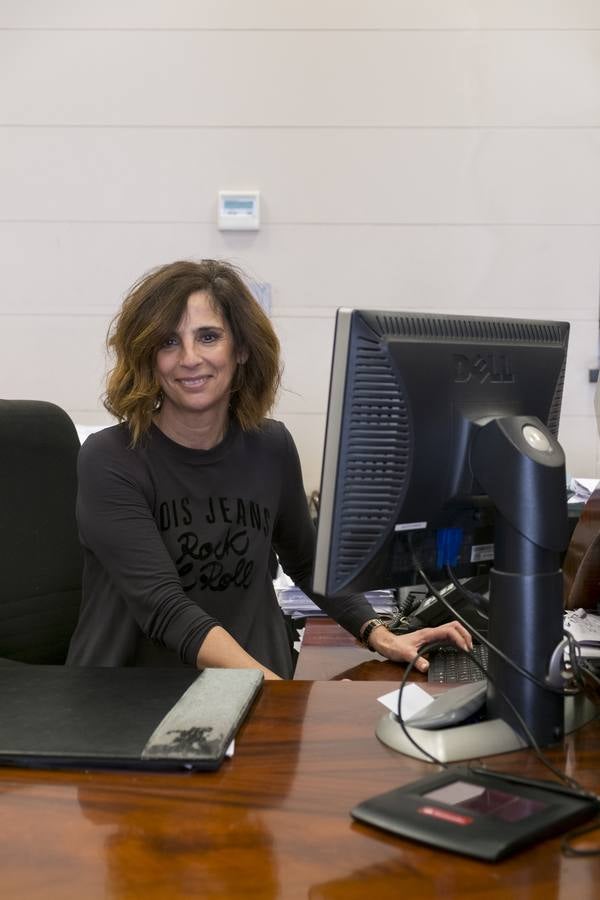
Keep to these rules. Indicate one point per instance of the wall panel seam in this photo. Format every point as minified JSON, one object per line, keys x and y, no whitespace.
{"x":306,"y":30}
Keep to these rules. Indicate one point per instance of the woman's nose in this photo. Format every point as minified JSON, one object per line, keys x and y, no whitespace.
{"x":190,"y":353}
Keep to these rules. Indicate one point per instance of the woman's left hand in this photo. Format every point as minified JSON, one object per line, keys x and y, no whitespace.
{"x":405,"y":647}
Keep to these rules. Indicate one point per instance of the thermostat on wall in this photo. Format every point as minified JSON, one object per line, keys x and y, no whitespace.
{"x":239,"y":210}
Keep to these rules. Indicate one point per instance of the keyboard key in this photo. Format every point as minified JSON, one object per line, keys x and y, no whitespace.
{"x":449,"y":665}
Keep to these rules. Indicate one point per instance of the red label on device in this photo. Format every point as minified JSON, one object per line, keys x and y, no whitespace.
{"x":446,"y":814}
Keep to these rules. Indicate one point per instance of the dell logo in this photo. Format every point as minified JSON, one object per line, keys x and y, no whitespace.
{"x":494,"y":367}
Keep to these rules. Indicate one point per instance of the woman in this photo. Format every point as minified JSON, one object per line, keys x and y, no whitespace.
{"x":180,"y":504}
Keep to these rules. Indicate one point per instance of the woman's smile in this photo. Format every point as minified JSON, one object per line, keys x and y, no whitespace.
{"x":196,"y":381}
{"x":195,"y":367}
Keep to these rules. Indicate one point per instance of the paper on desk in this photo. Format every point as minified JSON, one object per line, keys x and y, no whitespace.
{"x":582,"y":488}
{"x":414,"y":699}
{"x":584,"y":626}
{"x":296,"y":604}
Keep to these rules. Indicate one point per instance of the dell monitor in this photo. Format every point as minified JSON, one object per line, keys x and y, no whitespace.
{"x":433,"y":421}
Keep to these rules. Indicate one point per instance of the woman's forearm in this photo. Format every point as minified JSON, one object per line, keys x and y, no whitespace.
{"x":220,"y":651}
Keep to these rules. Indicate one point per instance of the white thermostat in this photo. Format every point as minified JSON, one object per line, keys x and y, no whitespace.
{"x":239,"y":210}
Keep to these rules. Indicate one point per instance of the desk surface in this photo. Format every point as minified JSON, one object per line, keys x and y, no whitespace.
{"x":273,"y":822}
{"x":331,"y":653}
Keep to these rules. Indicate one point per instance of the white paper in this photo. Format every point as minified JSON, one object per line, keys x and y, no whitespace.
{"x":414,"y":699}
{"x":583,"y":626}
{"x":582,"y":488}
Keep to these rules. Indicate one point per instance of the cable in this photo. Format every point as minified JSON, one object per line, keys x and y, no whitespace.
{"x":478,"y":600}
{"x":471,"y":628}
{"x":581,"y":665}
{"x":544,"y":784}
{"x":567,"y":848}
{"x":529,"y":736}
{"x":425,"y":649}
{"x":589,"y":672}
{"x":498,"y":652}
{"x":480,"y":637}
{"x":574,"y":786}
{"x":574,"y":645}
{"x":594,"y":644}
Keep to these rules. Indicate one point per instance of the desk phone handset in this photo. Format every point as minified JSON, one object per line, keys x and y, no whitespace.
{"x":429,"y":612}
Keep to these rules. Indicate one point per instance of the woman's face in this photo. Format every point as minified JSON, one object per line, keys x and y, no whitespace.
{"x":196,"y":364}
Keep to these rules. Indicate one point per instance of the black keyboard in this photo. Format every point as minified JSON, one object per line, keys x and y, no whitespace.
{"x":449,"y":665}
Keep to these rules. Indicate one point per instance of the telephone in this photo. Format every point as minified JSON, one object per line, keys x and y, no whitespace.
{"x":418,"y":612}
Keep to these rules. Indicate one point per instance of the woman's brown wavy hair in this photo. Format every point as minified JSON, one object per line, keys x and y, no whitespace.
{"x":150,"y":314}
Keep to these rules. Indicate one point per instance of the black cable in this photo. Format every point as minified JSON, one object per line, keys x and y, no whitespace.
{"x":566,"y":845}
{"x":552,"y":786}
{"x":425,"y":649}
{"x":574,"y":789}
{"x":529,"y":736}
{"x":478,"y":600}
{"x":589,"y":672}
{"x":594,"y":644}
{"x":582,"y":670}
{"x":572,"y":642}
{"x":581,"y":666}
{"x":481,"y":638}
{"x":575,"y":658}
{"x":574,"y":645}
{"x":573,"y":785}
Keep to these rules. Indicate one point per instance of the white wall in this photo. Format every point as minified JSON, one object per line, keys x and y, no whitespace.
{"x":430,"y":155}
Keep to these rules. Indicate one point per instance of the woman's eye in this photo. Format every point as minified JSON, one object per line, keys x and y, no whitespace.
{"x":209,"y":337}
{"x":170,"y":341}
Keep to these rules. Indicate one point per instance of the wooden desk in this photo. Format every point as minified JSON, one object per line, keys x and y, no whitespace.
{"x":272,"y":823}
{"x":330,"y":653}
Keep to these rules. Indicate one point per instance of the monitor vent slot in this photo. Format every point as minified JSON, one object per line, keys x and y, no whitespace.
{"x":554,"y":414}
{"x":376,"y":458}
{"x":444,"y":328}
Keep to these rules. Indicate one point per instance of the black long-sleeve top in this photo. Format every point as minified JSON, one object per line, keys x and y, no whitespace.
{"x":177,"y":540}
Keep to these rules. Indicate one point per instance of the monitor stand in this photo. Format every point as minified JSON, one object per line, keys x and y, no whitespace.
{"x":520,"y":466}
{"x":486,"y":738}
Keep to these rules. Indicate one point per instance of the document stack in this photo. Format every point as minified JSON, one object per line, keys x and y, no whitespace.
{"x":297,"y":605}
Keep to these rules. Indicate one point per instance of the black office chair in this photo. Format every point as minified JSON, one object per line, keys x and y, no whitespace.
{"x":40,"y":556}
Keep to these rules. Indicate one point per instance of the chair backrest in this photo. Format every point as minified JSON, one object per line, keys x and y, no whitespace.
{"x":40,"y":555}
